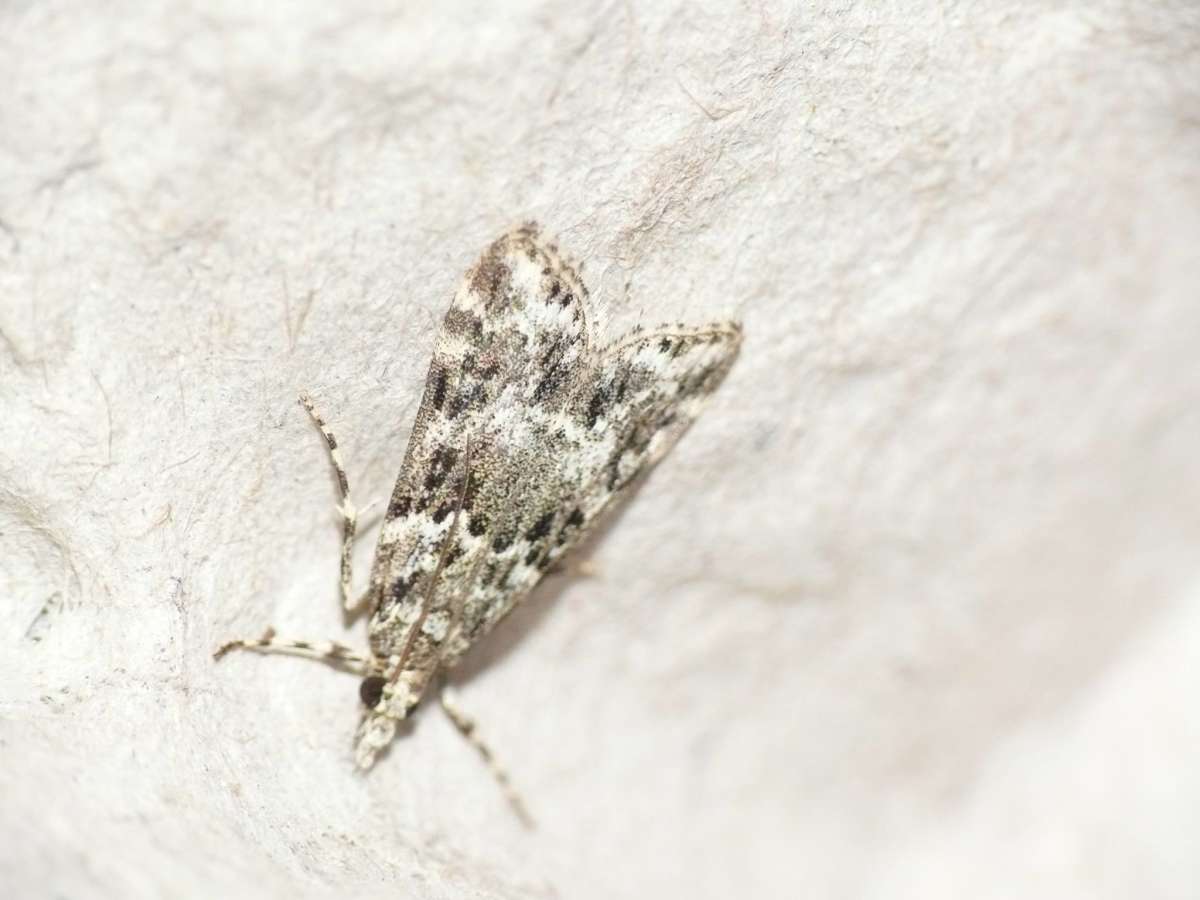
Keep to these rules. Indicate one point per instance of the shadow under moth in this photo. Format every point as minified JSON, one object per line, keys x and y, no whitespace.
{"x":527,"y":433}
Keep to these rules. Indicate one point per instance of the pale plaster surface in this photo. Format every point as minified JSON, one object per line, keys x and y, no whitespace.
{"x":914,"y":611}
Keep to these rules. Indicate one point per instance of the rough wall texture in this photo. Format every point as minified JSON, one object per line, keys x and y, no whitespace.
{"x":913,"y":611}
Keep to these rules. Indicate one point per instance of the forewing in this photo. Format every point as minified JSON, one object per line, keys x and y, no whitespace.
{"x":514,"y":335}
{"x":546,"y":484}
{"x":646,"y":390}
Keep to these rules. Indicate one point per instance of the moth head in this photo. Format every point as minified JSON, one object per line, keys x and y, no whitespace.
{"x":371,"y":690}
{"x":387,"y":704}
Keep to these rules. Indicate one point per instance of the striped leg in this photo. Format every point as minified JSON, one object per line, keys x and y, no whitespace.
{"x":466,"y":727}
{"x":349,"y":513}
{"x":325,"y":651}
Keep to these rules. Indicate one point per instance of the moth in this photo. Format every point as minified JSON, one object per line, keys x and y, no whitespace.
{"x":529,"y":431}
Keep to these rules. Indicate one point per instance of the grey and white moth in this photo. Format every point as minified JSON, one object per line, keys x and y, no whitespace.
{"x":527,"y":433}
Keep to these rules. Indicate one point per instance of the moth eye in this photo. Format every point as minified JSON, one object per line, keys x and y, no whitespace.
{"x":371,"y":690}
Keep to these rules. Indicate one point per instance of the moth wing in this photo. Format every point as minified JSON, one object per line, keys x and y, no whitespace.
{"x":515,"y":333}
{"x":646,"y":391}
{"x":546,"y":487}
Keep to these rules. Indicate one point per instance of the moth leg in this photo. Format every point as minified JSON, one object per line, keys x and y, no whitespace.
{"x":346,"y":508}
{"x":466,"y":727}
{"x":325,"y":651}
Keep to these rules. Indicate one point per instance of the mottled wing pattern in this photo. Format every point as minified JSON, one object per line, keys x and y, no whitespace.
{"x":625,"y":407}
{"x":514,"y":334}
{"x":526,"y":434}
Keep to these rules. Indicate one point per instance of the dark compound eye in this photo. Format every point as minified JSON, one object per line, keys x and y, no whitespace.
{"x":371,"y":690}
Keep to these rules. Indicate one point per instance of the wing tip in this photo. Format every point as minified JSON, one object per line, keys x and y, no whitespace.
{"x":530,"y":234}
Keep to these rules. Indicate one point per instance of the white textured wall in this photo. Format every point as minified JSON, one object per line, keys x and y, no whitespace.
{"x":913,"y":611}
